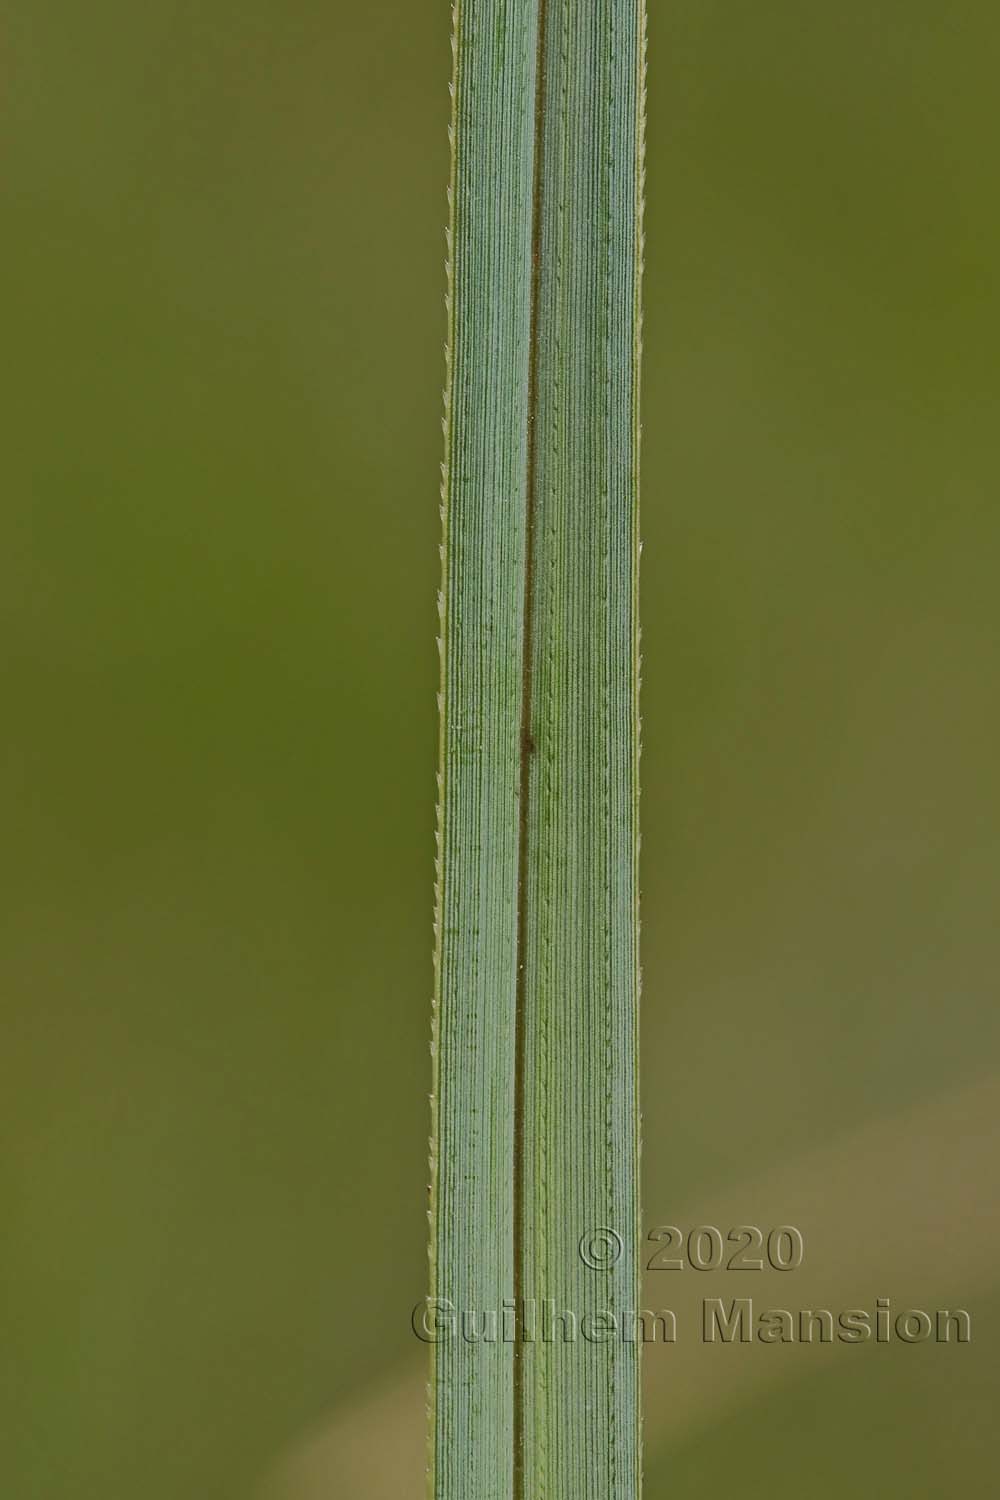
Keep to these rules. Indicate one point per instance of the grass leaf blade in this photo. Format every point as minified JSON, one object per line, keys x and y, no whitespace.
{"x":536,"y":1115}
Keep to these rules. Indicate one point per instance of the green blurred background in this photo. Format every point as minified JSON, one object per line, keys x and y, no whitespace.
{"x":222,"y":246}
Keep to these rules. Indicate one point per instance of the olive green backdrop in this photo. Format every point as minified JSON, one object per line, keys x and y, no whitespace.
{"x":222,"y":247}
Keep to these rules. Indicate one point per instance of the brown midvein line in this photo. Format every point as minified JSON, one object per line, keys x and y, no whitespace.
{"x":527,"y":749}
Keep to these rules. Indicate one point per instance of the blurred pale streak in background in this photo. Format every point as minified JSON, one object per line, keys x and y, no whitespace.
{"x":871,"y":1230}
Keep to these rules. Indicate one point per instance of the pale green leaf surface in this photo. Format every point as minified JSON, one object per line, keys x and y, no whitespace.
{"x":535,"y":1140}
